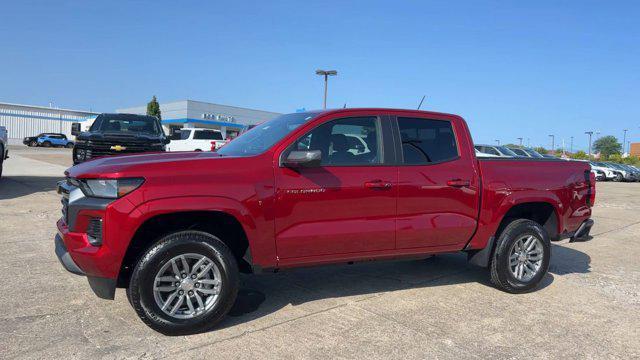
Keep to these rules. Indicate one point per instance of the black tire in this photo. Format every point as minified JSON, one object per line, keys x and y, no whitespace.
{"x":140,"y":291}
{"x":33,"y":143}
{"x":46,"y":144}
{"x":501,"y":275}
{"x":618,"y":177}
{"x":69,"y":145}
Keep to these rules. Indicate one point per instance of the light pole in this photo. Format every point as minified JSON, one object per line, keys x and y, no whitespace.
{"x":498,"y":142}
{"x":624,"y":141}
{"x":520,"y":139}
{"x":326,"y":74}
{"x":571,"y":151}
{"x":528,"y":142}
{"x":589,"y":133}
{"x":553,"y":139}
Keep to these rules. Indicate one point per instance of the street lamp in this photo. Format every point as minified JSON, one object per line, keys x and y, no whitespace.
{"x":497,"y":141}
{"x":589,"y":133}
{"x":571,"y":151}
{"x":624,"y":141}
{"x":326,"y":74}
{"x":553,"y":139}
{"x":520,"y":139}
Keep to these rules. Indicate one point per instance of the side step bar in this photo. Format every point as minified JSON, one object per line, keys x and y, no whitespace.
{"x":582,"y":234}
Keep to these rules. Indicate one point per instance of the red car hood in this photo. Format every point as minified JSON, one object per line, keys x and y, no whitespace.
{"x":137,"y":164}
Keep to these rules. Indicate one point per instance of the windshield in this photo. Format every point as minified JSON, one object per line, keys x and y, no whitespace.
{"x":533,"y":153}
{"x":265,"y":135}
{"x":506,"y":151}
{"x":519,"y":152}
{"x":126,"y":123}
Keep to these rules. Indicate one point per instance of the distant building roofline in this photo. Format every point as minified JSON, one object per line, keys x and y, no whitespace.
{"x":49,"y":108}
{"x":200,"y":102}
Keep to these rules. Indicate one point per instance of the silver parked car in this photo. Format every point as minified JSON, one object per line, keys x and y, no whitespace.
{"x":496,"y":150}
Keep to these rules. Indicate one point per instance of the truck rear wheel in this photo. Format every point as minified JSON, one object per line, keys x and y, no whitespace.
{"x":521,"y":257}
{"x":184,"y":284}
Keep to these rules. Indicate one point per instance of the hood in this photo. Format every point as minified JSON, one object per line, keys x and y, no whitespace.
{"x":138,"y":164}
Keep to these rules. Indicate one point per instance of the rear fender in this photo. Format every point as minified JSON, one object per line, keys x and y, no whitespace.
{"x":491,"y":217}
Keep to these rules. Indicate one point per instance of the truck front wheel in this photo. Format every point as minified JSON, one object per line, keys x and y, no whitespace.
{"x":521,"y":257}
{"x":184,"y":284}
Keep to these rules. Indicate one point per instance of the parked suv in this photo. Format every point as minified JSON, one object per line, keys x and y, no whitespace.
{"x":197,"y":140}
{"x":54,"y":140}
{"x":114,"y":134}
{"x":32,"y":141}
{"x":175,"y":229}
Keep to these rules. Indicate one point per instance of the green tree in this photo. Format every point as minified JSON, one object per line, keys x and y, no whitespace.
{"x":153,"y":108}
{"x":616,"y":158}
{"x":581,"y":155}
{"x":607,"y":146}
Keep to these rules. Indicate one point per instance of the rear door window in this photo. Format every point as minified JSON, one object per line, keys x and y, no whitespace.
{"x":427,"y":141}
{"x":207,"y":135}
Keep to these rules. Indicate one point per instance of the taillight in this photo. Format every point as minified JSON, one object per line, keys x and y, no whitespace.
{"x":213,"y":146}
{"x":592,"y":189}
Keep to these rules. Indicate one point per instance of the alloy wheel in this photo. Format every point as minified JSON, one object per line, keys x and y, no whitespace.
{"x":188,"y":285}
{"x":525,"y":257}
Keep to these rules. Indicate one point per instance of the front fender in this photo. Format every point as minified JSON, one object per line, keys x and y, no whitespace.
{"x":128,"y":219}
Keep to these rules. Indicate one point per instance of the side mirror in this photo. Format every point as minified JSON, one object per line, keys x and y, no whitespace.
{"x":305,"y":158}
{"x":75,"y":129}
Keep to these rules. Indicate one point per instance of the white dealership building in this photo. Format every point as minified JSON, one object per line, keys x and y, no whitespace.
{"x":28,"y":120}
{"x":190,"y":113}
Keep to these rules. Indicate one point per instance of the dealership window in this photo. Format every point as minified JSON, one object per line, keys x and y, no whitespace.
{"x":426,"y":141}
{"x":349,"y":141}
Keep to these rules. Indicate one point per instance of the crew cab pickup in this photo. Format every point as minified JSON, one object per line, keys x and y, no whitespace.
{"x":197,"y":140}
{"x":175,"y":229}
{"x":115,"y":134}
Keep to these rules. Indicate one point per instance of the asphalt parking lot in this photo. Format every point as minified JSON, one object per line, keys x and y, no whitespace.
{"x":587,"y":307}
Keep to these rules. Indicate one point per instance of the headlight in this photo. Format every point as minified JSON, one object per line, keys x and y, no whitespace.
{"x":109,"y":188}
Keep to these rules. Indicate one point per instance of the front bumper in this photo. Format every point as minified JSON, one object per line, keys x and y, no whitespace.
{"x":103,"y":287}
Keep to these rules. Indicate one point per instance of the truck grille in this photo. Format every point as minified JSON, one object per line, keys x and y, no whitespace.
{"x":98,"y":148}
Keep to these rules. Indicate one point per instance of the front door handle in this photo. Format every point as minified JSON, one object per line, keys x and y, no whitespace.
{"x":458,"y":183}
{"x":378,"y":184}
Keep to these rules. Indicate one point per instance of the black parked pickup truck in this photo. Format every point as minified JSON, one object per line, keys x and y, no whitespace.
{"x":114,"y":134}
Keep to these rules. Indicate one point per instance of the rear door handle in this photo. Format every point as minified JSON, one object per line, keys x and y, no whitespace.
{"x":377,"y":184}
{"x":458,"y":183}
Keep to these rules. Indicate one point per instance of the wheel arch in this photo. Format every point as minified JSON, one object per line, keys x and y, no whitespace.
{"x":544,"y":211}
{"x":215,"y":222}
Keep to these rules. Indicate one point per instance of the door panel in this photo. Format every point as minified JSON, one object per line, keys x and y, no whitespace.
{"x":438,"y":195}
{"x":346,"y":205}
{"x":328,"y":210}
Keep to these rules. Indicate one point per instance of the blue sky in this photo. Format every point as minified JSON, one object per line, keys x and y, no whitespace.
{"x":512,"y":69}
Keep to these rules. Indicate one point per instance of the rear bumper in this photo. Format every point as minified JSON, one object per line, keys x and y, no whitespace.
{"x":104,"y":288}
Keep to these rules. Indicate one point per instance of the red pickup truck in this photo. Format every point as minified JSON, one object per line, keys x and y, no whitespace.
{"x":311,"y":188}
